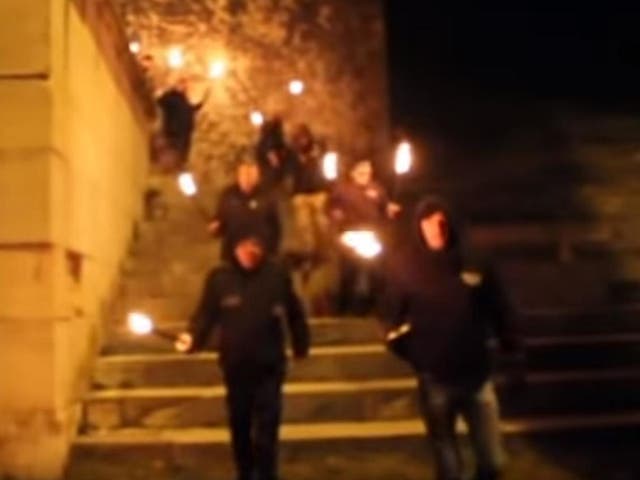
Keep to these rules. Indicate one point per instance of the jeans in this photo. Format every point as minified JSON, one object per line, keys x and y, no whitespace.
{"x":254,"y":403}
{"x":311,"y":224}
{"x":440,"y":405}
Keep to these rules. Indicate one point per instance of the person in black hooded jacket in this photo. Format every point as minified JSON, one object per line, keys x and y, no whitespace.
{"x":248,"y":300}
{"x":244,"y":206}
{"x":439,"y":314}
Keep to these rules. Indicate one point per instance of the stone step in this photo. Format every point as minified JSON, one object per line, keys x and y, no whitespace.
{"x":337,"y":358}
{"x":605,"y":447}
{"x":164,"y":283}
{"x":164,"y":309}
{"x":344,"y":363}
{"x":606,"y":351}
{"x":580,"y":321}
{"x":170,"y":236}
{"x":569,"y":392}
{"x":532,"y":322}
{"x":330,"y":432}
{"x":324,"y":331}
{"x":144,"y":255}
{"x":169,"y":264}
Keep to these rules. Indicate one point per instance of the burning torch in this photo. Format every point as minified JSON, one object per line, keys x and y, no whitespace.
{"x":189,"y":189}
{"x":364,"y":243}
{"x":141,"y":324}
{"x":402,"y":163}
{"x":330,"y":166}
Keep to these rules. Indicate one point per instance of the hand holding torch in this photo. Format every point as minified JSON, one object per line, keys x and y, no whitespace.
{"x":364,"y":243}
{"x":142,"y":324}
{"x":402,"y":164}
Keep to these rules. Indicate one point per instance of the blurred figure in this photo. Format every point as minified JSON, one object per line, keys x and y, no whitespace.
{"x":178,"y":119}
{"x":247,"y":300}
{"x":246,"y":206}
{"x":272,"y":153}
{"x":309,"y":194}
{"x":359,"y":203}
{"x":439,"y":312}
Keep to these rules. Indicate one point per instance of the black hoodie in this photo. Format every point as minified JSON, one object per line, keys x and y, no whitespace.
{"x":249,"y":308}
{"x":239,"y":212}
{"x":452,"y":308}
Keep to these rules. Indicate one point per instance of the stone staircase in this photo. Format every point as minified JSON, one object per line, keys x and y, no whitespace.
{"x":583,"y":371}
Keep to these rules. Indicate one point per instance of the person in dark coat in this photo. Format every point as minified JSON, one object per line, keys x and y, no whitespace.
{"x":248,"y":300}
{"x":309,"y":193}
{"x":272,"y":153}
{"x":178,"y":118}
{"x":439,"y":311}
{"x":359,"y":203}
{"x":244,"y":206}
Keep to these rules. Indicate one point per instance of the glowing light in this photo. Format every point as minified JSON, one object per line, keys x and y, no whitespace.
{"x":257,"y":118}
{"x":135,"y":47}
{"x":187,"y":184}
{"x":296,"y":87}
{"x":330,"y":166}
{"x":175,"y":58}
{"x":139,"y":323}
{"x":364,"y":243}
{"x":217,"y":69}
{"x":404,"y":158}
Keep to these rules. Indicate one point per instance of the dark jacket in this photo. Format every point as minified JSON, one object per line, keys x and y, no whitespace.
{"x":452,"y":306}
{"x":178,"y":116}
{"x":272,"y":141}
{"x":360,"y":206}
{"x":249,"y":309}
{"x":240,"y":213}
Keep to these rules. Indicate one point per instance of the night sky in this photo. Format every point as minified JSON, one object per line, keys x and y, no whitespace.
{"x":450,"y":66}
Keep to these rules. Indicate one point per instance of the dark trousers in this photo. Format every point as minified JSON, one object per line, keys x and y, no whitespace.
{"x":441,"y":405}
{"x":254,"y":403}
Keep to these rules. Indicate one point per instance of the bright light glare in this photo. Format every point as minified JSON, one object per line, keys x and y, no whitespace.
{"x":139,"y":323}
{"x":175,"y":58}
{"x":217,"y":68}
{"x":257,"y":118}
{"x":330,"y":165}
{"x":135,"y":47}
{"x":187,"y":184}
{"x":404,"y":158}
{"x":364,"y":242}
{"x":296,"y":87}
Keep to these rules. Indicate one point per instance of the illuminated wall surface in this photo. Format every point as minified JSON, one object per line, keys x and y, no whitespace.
{"x":335,"y":47}
{"x":73,"y":156}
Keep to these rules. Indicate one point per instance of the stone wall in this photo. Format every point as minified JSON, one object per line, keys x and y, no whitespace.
{"x":336,"y":47}
{"x":73,"y":157}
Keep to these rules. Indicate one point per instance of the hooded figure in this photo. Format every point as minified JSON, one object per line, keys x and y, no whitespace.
{"x":246,"y":206}
{"x":273,"y":153}
{"x":439,"y":314}
{"x":248,"y":301}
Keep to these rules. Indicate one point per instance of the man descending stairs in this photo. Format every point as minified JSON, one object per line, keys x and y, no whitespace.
{"x":350,"y":409}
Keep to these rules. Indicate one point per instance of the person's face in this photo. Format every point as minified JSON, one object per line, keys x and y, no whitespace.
{"x":435,"y":231}
{"x":249,"y":253}
{"x":248,"y":177}
{"x":362,"y":173}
